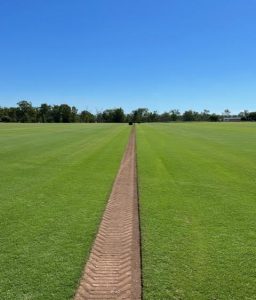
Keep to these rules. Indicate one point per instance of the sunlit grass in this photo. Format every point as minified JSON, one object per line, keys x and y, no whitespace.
{"x":198,"y":210}
{"x":54,"y":184}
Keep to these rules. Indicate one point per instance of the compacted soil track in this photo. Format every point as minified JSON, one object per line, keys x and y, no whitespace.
{"x":113,"y":270}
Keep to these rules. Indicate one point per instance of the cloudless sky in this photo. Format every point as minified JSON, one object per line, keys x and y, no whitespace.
{"x":97,"y":54}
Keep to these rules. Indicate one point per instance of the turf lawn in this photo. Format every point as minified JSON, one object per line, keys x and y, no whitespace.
{"x":198,"y":210}
{"x":54,"y":183}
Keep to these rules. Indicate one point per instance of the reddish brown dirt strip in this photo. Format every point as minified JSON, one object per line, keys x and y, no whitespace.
{"x":113,"y":270}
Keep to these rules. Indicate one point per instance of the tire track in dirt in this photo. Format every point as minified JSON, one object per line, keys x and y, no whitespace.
{"x":113,"y":270}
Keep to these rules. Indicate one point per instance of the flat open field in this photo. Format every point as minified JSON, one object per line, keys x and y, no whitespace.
{"x":55,"y":180}
{"x":198,"y":210}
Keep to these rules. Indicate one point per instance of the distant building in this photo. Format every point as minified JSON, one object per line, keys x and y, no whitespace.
{"x":231,"y":119}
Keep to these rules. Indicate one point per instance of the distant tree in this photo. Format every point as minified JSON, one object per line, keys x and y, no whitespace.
{"x":87,"y":117}
{"x":8,"y":114}
{"x":244,"y":115}
{"x":140,"y":115}
{"x":5,"y":118}
{"x":115,"y":115}
{"x":188,"y":116}
{"x":12,"y":113}
{"x":205,"y":115}
{"x":56,"y":114}
{"x":165,"y":117}
{"x":214,"y":118}
{"x":44,"y":112}
{"x":119,"y":116}
{"x":108,"y":115}
{"x":25,"y":112}
{"x":153,"y":117}
{"x":252,"y":116}
{"x":227,"y":112}
{"x":174,"y":114}
{"x":74,"y":116}
{"x":1,"y":112}
{"x":65,"y":113}
{"x":128,"y":118}
{"x":99,"y":116}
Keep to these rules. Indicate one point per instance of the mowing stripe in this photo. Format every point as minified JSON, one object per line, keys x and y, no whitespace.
{"x":113,"y":270}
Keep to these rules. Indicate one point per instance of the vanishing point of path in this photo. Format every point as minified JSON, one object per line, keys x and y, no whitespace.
{"x":113,"y":270}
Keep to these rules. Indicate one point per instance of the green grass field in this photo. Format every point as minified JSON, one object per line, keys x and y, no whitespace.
{"x":55,"y":180}
{"x":197,"y":185}
{"x":198,"y":210}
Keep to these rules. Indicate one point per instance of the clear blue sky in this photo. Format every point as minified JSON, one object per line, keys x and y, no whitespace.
{"x":97,"y":54}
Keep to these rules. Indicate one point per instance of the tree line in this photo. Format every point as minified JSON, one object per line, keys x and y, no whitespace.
{"x":25,"y":112}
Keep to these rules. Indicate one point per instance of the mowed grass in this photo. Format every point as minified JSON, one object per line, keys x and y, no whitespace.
{"x":54,"y":184}
{"x":198,"y":210}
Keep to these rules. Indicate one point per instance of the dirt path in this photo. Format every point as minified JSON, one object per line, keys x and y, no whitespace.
{"x":113,"y":270}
